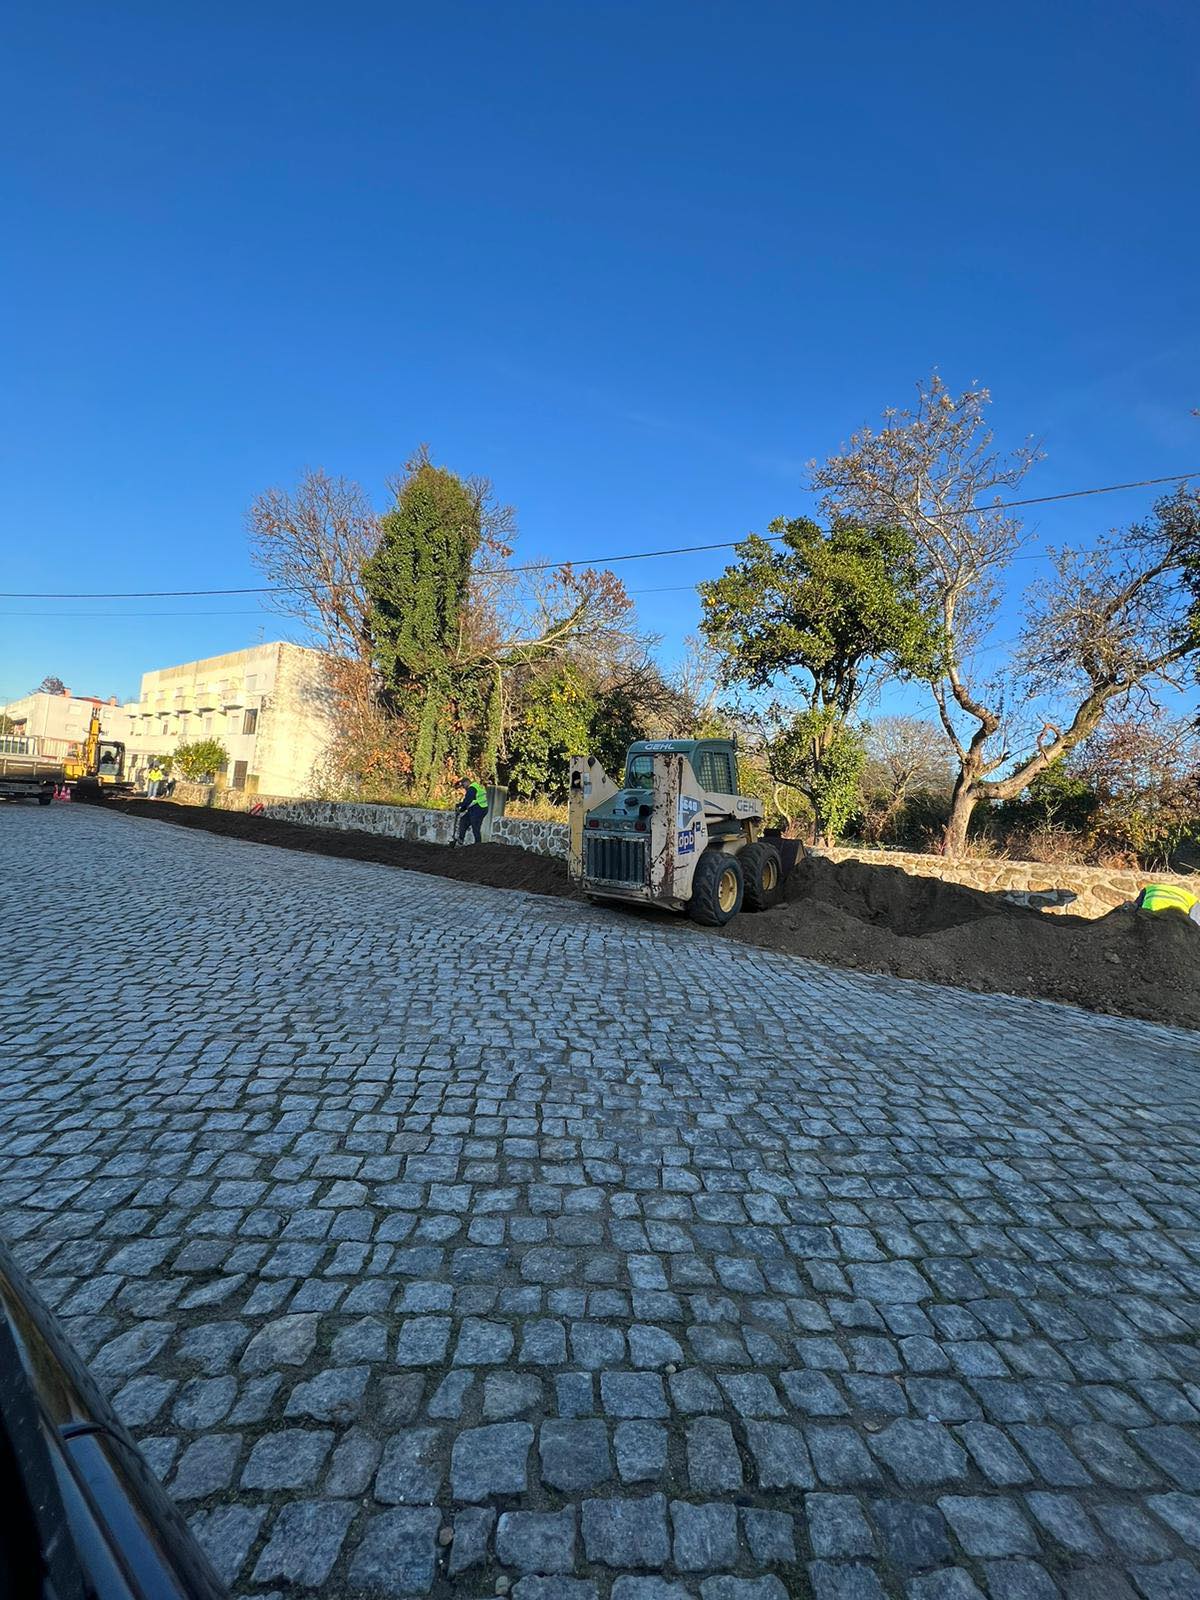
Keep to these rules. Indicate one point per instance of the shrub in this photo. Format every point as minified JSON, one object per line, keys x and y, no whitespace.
{"x":200,"y":762}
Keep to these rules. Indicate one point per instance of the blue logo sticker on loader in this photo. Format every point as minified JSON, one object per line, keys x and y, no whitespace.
{"x":686,"y":843}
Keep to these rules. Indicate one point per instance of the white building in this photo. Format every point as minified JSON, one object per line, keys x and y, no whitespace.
{"x":58,"y":723}
{"x":269,"y":706}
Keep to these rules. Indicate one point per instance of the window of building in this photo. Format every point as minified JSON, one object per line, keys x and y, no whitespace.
{"x":238,"y":781}
{"x":250,"y":722}
{"x":208,"y":724}
{"x":251,"y":682}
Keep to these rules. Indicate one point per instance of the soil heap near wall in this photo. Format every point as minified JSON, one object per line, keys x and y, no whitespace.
{"x":880,"y":919}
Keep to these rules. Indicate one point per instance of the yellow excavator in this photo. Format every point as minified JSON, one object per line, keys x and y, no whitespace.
{"x":100,"y":764}
{"x":95,"y":768}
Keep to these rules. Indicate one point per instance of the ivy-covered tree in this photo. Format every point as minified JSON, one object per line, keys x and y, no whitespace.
{"x":819,"y":616}
{"x":433,"y":640}
{"x":418,"y":582}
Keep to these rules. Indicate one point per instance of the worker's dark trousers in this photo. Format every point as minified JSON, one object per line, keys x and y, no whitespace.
{"x":472,"y":819}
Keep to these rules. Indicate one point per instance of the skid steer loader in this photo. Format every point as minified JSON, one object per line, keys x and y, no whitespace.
{"x":674,"y":832}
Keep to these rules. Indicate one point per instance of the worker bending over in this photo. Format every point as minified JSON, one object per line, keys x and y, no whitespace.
{"x":472,"y":809}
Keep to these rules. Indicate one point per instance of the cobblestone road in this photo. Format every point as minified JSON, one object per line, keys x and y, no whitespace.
{"x":649,"y":1266}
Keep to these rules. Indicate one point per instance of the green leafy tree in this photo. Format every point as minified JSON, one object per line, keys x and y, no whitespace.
{"x":823,"y":756}
{"x":199,"y":762}
{"x":417,"y":583}
{"x":1060,"y":796}
{"x":826,"y":615}
{"x":554,"y":723}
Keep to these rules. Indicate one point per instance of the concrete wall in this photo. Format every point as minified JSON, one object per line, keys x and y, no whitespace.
{"x":1075,"y":891}
{"x":296,"y":724}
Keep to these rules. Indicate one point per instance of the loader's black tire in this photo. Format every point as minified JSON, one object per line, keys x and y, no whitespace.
{"x":717,"y":888}
{"x":45,"y":796}
{"x":763,"y":871}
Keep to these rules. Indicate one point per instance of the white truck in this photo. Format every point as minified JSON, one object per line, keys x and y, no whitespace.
{"x":26,"y":774}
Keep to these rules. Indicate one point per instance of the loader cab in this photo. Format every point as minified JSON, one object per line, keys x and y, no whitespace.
{"x":714,"y":761}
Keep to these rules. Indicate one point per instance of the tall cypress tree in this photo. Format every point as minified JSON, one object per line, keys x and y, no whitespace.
{"x":417,"y":584}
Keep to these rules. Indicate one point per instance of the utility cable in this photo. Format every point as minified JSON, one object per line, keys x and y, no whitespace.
{"x":591,"y":561}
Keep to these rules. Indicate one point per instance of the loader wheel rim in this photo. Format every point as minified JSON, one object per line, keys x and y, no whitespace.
{"x":770,"y":875}
{"x":727,"y":888}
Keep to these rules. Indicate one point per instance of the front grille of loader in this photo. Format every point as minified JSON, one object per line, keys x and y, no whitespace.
{"x":615,"y":860}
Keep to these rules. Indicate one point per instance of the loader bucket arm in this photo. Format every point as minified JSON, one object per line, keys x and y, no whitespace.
{"x":590,"y":786}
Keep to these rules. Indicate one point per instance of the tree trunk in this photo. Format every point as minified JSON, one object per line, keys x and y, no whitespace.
{"x":962,"y":807}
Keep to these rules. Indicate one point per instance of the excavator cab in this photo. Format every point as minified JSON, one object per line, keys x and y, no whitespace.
{"x":110,"y":761}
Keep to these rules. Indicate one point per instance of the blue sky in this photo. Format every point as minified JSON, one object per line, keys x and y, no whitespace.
{"x":637,"y":262}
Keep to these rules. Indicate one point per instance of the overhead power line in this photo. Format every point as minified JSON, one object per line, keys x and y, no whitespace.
{"x":590,"y":561}
{"x":183,"y":616}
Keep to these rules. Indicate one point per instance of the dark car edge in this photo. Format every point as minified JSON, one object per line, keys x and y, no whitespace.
{"x":84,"y":1517}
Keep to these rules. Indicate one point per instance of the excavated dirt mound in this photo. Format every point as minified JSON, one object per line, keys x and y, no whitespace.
{"x":880,"y":919}
{"x":497,"y":865}
{"x":847,"y":914}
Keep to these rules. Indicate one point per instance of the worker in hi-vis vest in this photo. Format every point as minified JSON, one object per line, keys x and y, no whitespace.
{"x":472,"y":809}
{"x":1169,"y":897}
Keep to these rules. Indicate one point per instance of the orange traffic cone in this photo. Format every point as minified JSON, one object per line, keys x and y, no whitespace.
{"x":66,"y":794}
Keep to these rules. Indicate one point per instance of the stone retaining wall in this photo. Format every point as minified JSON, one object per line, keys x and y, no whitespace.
{"x":413,"y":822}
{"x":543,"y":838}
{"x":208,"y":795}
{"x":1077,"y":891}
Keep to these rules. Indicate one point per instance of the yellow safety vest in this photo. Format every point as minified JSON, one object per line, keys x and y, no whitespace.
{"x":1167,"y":897}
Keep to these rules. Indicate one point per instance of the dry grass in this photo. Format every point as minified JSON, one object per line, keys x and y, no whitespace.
{"x":535,"y":811}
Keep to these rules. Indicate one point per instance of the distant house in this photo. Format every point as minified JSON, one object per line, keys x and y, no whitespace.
{"x":59,"y":722}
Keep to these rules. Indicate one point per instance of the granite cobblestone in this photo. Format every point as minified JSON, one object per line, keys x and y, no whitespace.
{"x":411,"y":1259}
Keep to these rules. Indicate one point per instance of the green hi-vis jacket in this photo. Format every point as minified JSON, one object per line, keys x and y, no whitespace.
{"x":1167,"y":897}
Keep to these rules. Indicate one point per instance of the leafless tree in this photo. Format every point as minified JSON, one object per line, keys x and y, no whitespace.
{"x":1113,"y":619}
{"x":1144,"y":769}
{"x":904,"y":754}
{"x":934,"y":471}
{"x":1112,"y":623}
{"x":310,"y":544}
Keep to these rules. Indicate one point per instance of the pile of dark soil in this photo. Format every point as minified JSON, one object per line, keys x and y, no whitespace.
{"x":880,"y":919}
{"x":498,"y":865}
{"x":847,"y":914}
